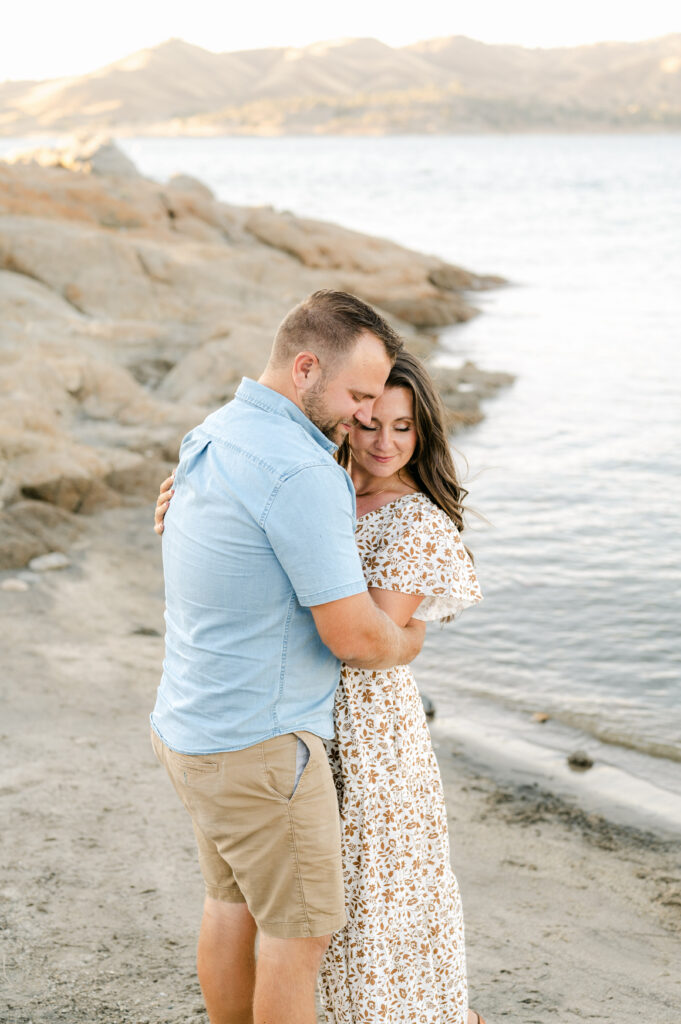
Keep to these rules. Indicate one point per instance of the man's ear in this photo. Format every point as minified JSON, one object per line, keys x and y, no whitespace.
{"x":306,"y":371}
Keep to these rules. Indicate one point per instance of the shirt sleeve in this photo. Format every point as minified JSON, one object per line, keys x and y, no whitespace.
{"x":310,"y":524}
{"x":423,"y":554}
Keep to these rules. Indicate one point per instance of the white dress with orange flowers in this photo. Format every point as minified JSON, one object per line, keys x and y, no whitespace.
{"x":400,"y":959}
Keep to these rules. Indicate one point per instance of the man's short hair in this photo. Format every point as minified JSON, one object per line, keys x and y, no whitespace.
{"x":328,"y":323}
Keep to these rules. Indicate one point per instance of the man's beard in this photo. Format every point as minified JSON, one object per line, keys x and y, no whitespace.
{"x":315,"y":409}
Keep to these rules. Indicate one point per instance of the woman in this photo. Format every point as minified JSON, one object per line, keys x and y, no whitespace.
{"x":401,"y":958}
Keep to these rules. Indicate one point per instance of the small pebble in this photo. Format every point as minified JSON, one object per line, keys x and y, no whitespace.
{"x":540,"y":716}
{"x":580,"y":761}
{"x":15,"y":584}
{"x":45,"y":563}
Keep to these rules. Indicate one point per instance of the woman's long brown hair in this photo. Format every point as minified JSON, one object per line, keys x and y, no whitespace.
{"x":431,"y":467}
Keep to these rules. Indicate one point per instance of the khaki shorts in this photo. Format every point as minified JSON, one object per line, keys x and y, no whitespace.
{"x":262,"y":839}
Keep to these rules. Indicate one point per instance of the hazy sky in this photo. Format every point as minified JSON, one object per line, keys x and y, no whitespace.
{"x":70,"y":37}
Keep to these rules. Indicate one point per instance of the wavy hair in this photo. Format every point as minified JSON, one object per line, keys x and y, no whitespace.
{"x":431,"y":466}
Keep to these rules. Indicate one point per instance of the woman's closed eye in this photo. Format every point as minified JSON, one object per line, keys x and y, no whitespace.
{"x":371,"y":430}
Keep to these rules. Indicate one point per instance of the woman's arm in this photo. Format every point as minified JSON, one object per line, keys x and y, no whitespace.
{"x":399,"y":607}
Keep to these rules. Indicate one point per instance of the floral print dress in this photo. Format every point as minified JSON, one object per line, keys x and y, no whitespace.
{"x":400,"y":959}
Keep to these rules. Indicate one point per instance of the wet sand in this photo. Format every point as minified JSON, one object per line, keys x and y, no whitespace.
{"x":568,"y":917}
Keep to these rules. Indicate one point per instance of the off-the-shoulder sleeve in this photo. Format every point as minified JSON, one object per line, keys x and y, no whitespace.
{"x":421,"y":552}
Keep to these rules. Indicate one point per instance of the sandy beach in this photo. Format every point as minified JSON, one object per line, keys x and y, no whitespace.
{"x":568,"y":917}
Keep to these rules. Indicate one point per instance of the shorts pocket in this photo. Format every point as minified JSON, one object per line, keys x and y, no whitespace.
{"x":190,"y":768}
{"x":200,"y":767}
{"x":302,"y":760}
{"x":285,"y":760}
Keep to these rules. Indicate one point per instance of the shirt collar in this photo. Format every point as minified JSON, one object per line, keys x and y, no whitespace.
{"x":272,"y":401}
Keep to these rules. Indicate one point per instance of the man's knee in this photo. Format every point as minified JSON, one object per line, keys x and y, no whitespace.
{"x":228,"y":923}
{"x":294,"y":953}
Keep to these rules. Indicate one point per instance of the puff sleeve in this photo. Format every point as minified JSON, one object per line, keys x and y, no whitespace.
{"x":421,"y":552}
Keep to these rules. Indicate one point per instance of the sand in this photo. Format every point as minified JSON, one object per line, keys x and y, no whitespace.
{"x":568,"y":917}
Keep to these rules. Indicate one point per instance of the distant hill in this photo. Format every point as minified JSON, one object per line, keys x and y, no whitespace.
{"x":361,"y":86}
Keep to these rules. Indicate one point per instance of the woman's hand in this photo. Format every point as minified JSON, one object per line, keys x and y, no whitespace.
{"x":162,"y":502}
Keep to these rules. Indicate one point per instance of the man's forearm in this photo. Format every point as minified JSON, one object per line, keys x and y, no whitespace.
{"x":385,"y":644}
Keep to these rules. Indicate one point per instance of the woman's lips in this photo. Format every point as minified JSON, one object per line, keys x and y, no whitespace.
{"x":382,"y":458}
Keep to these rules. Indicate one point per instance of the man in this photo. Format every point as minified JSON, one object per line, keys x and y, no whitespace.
{"x":264,"y":596}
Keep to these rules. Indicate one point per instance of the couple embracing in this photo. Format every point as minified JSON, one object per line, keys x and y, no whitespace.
{"x":312,"y":530}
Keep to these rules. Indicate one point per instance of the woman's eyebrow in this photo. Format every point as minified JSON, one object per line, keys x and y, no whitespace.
{"x":398,"y":419}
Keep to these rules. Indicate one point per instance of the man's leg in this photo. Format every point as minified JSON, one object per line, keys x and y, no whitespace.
{"x":226,"y":962}
{"x":285,"y":979}
{"x":278,"y":833}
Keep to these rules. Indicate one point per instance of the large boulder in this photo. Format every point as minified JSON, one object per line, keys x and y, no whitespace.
{"x":129,"y":310}
{"x":398,"y":280}
{"x":428,"y":309}
{"x":91,"y":154}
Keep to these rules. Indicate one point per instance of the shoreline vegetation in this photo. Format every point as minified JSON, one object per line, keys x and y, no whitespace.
{"x":129,"y":310}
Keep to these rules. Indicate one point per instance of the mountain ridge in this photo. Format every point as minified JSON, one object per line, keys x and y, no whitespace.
{"x":362,"y":86}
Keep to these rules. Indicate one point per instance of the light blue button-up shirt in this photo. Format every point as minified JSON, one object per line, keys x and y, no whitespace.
{"x":260,"y":528}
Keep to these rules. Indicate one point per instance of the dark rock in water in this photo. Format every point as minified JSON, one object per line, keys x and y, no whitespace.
{"x":580,"y":761}
{"x":428,"y":706}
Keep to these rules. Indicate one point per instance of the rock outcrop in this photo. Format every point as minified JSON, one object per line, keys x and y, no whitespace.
{"x":129,"y":309}
{"x":93,"y":154}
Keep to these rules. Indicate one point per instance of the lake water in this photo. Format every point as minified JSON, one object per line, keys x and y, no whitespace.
{"x":577,"y":466}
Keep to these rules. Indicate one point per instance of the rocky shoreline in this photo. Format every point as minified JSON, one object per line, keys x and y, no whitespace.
{"x":130,"y":310}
